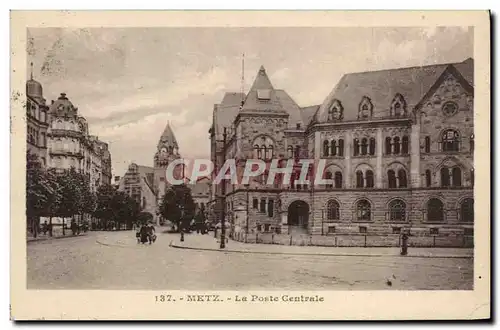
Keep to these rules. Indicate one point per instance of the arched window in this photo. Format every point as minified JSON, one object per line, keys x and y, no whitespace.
{"x":397,"y":109}
{"x":290,"y":152}
{"x":269,"y":152}
{"x":450,"y":140}
{"x":435,"y":210}
{"x":263,"y":152}
{"x":397,"y":146}
{"x":338,"y":179}
{"x":369,"y":179}
{"x":402,"y":178}
{"x":372,"y":146}
{"x":467,"y":210}
{"x":397,"y":210}
{"x":472,"y":177}
{"x":333,"y":148}
{"x":456,"y":174}
{"x":388,"y":145}
{"x":363,"y":210}
{"x":259,"y":152}
{"x":404,"y":148}
{"x":333,"y":210}
{"x":427,"y":144}
{"x":391,"y":176}
{"x":256,"y":151}
{"x":428,"y":178}
{"x":326,"y":148}
{"x":356,"y":147}
{"x":445,"y":177}
{"x":330,"y":114}
{"x":359,"y":179}
{"x":328,"y":176}
{"x":341,"y":147}
{"x":364,"y":146}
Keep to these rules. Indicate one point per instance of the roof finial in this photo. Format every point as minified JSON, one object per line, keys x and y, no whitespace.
{"x":31,"y":75}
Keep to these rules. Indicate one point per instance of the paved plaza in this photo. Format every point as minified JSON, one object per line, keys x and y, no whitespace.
{"x":113,"y":260}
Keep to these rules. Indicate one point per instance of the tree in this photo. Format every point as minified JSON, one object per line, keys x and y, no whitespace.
{"x":177,"y":206}
{"x":103,"y":209}
{"x":70,"y":191}
{"x":39,"y":192}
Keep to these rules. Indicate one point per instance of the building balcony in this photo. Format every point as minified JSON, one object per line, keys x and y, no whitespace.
{"x":66,"y":153}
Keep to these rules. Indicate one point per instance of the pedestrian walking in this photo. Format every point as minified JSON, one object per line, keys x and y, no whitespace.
{"x":404,"y":243}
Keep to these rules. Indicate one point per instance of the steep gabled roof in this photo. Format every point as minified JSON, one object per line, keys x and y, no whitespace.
{"x":262,"y":95}
{"x":382,"y":86}
{"x":168,"y":137}
{"x":291,"y":107}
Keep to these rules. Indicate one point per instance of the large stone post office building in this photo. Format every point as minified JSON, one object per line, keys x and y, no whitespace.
{"x":399,"y":146}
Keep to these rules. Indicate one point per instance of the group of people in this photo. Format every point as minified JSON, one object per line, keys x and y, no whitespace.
{"x":145,"y":233}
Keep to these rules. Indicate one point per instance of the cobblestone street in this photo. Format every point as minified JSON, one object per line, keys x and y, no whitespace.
{"x":113,"y":260}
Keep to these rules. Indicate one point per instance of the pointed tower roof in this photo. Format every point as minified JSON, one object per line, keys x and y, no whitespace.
{"x":168,"y":137}
{"x":262,"y":96}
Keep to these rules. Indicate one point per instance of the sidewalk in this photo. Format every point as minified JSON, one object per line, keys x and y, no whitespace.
{"x":40,"y":238}
{"x":209,"y":243}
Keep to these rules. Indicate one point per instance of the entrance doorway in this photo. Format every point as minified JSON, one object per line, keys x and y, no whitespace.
{"x":298,"y":217}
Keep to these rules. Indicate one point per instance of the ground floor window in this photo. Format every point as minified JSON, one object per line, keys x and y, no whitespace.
{"x":467,"y":210}
{"x":397,"y":210}
{"x":331,"y":230}
{"x":333,"y":210}
{"x":435,"y":210}
{"x":363,"y":210}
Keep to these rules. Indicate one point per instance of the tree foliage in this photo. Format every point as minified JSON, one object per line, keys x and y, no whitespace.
{"x":177,"y":206}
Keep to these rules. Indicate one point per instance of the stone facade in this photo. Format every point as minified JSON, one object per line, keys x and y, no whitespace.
{"x":398,"y":146}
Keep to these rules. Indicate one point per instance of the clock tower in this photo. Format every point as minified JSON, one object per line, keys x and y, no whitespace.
{"x":167,"y":150}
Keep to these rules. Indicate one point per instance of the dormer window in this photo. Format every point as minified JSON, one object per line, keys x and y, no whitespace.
{"x":298,"y":125}
{"x":336,"y":111}
{"x":365,"y":108}
{"x":264,"y":94}
{"x":398,"y":106}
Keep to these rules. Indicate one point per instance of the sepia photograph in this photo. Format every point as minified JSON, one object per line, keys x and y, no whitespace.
{"x":252,"y":164}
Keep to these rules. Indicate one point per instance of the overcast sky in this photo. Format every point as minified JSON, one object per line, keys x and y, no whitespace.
{"x":129,"y":82}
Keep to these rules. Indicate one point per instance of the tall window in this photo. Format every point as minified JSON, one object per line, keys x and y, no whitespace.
{"x":356,"y":147}
{"x":391,"y":176}
{"x":435,"y":210}
{"x":359,"y":179}
{"x":263,"y":205}
{"x":333,"y":148}
{"x":364,"y":146}
{"x":341,"y":147}
{"x":472,"y":178}
{"x":428,"y":178}
{"x":467,"y":210}
{"x":396,"y":146}
{"x":326,"y":148}
{"x":471,"y":143}
{"x":333,"y":210}
{"x":263,"y":152}
{"x":388,"y":145}
{"x":450,"y":140}
{"x":256,"y":151}
{"x":269,"y":152}
{"x":270,"y":208}
{"x":329,"y":177}
{"x":397,"y":210}
{"x":445,"y":177}
{"x":363,"y":210}
{"x":255,"y":203}
{"x":427,"y":144}
{"x":404,"y":147}
{"x":290,"y":152}
{"x":456,"y":174}
{"x":338,"y":179}
{"x":297,"y":152}
{"x":402,"y":178}
{"x":372,"y":146}
{"x":369,"y":179}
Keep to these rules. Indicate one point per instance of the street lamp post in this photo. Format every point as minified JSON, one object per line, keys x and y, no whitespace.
{"x":247,"y":186}
{"x":182,"y":223}
{"x":223,"y":193}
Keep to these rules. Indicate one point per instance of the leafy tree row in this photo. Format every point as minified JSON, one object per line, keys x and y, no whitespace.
{"x":67,"y":194}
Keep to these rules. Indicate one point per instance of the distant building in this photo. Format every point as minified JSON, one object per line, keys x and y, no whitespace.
{"x":148,"y":184}
{"x":399,"y":146}
{"x":201,"y":193}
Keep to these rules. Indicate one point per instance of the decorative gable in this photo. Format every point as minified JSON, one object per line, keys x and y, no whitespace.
{"x":398,"y":106}
{"x":365,"y":110}
{"x":336,"y":111}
